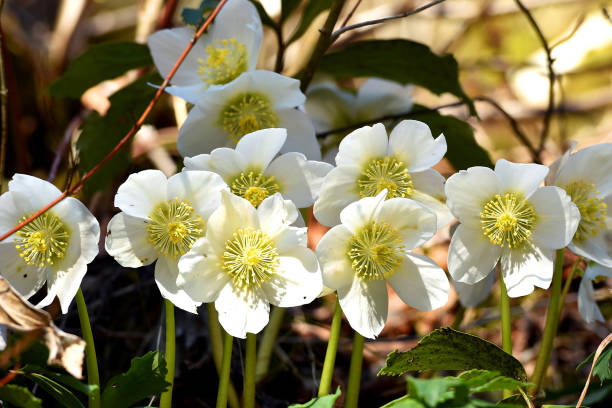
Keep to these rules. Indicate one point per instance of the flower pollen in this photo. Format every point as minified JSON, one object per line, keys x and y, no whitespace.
{"x":174,"y":227}
{"x":386,"y":173}
{"x":507,"y":220}
{"x":43,"y":241}
{"x":592,"y":209}
{"x":246,"y":113}
{"x":226,"y":60}
{"x":375,"y":251}
{"x":250,"y":258}
{"x":254,"y":187}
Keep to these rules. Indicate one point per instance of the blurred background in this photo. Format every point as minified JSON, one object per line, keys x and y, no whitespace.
{"x":500,"y":57}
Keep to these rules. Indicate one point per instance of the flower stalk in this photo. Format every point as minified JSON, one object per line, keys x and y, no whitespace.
{"x":249,"y":371}
{"x":506,"y":321}
{"x":166,"y":397}
{"x":216,"y":342}
{"x":224,"y":376}
{"x":352,"y":387}
{"x":93,"y":377}
{"x":330,"y":355}
{"x":268,"y":341}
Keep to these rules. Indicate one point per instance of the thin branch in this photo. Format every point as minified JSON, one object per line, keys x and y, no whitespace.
{"x":326,"y":39}
{"x":280,"y":55}
{"x":79,"y":185}
{"x":59,"y":153}
{"x":3,"y":104}
{"x":551,"y":76}
{"x":575,"y":28}
{"x":350,"y":14}
{"x":342,"y":30}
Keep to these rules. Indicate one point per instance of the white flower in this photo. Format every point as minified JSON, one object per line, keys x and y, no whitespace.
{"x":505,"y":214}
{"x":586,"y":176}
{"x":330,"y":107}
{"x":370,"y":248}
{"x":255,"y":100}
{"x":587,"y":306}
{"x":471,"y":295}
{"x":229,"y":48}
{"x":248,"y":259}
{"x":254,"y":172}
{"x":161,"y":219}
{"x":54,"y":248}
{"x":369,"y":162}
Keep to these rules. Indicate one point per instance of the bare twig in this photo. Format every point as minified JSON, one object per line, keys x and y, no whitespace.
{"x":3,"y":104}
{"x":551,"y":76}
{"x":575,"y":28}
{"x":280,"y":55}
{"x":342,"y":30}
{"x":59,"y":153}
{"x":79,"y":185}
{"x":350,"y":14}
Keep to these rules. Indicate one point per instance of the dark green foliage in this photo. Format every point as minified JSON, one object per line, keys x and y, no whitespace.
{"x":311,"y":10}
{"x":602,"y":366}
{"x":320,"y":402}
{"x":196,"y":16}
{"x":19,"y":396}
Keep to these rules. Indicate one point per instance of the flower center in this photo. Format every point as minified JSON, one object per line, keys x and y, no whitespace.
{"x":375,"y":251}
{"x":174,"y":227}
{"x":593,"y":210}
{"x":246,"y":113}
{"x":254,"y":187}
{"x":507,"y":220}
{"x":226,"y":60}
{"x":386,"y":173}
{"x":250,"y":258}
{"x":42,"y":242}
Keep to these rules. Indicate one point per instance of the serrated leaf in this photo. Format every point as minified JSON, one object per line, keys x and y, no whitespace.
{"x":145,"y":378}
{"x":448,"y":349}
{"x":59,"y":393}
{"x":100,"y":134}
{"x":602,"y":366}
{"x":403,"y":61}
{"x":99,"y":63}
{"x":61,"y":378}
{"x":404,"y":402}
{"x":311,"y":10}
{"x":265,"y":18}
{"x":195,"y":16}
{"x":19,"y":396}
{"x":320,"y":402}
{"x":463,"y":151}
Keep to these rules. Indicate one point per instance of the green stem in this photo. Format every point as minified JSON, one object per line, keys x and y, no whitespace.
{"x":224,"y":376}
{"x":506,"y":322}
{"x":566,"y":287}
{"x":166,"y":397}
{"x":216,"y":342}
{"x":248,"y":393}
{"x":550,"y":329}
{"x":268,"y":342}
{"x":330,"y":355}
{"x":93,"y":378}
{"x":352,"y":387}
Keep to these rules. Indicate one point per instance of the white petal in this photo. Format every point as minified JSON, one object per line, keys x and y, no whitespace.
{"x":329,"y":107}
{"x":300,"y":133}
{"x":191,"y":94}
{"x":38,"y":192}
{"x":521,"y":177}
{"x":24,"y":278}
{"x":199,"y":162}
{"x":141,"y":192}
{"x":365,"y":305}
{"x":363,"y":145}
{"x":415,"y":223}
{"x":412,"y":143}
{"x":468,"y":191}
{"x":429,"y":191}
{"x":227,"y":163}
{"x":592,"y":165}
{"x":359,"y":213}
{"x":594,"y":270}
{"x":275,"y":215}
{"x":332,"y":252}
{"x":166,"y":274}
{"x":420,"y":282}
{"x":201,"y":132}
{"x":84,"y":226}
{"x":596,"y":249}
{"x":556,"y":166}
{"x":297,"y":280}
{"x":199,"y":188}
{"x":475,"y":294}
{"x":587,"y":306}
{"x":471,"y":257}
{"x":291,"y":174}
{"x":10,"y":203}
{"x":283,"y":91}
{"x":66,"y":285}
{"x":316,"y":171}
{"x":557,"y":217}
{"x":201,"y":272}
{"x":339,"y":189}
{"x":260,"y":147}
{"x":126,"y":241}
{"x":291,"y":237}
{"x":241,"y":313}
{"x":167,"y":45}
{"x":378,"y":97}
{"x":234,"y":213}
{"x":525,"y":268}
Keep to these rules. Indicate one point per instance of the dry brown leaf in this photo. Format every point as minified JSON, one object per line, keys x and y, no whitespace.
{"x":65,"y":349}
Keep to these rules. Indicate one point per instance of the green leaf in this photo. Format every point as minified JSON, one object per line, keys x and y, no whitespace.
{"x":435,"y":391}
{"x":60,"y":393}
{"x":463,"y":151}
{"x":100,"y":134}
{"x":196,"y":16}
{"x":448,"y":349}
{"x":484,"y":380}
{"x":145,"y":378}
{"x":403,"y":61}
{"x":265,"y":18}
{"x":311,"y":10}
{"x":65,"y":379}
{"x":602,"y":366}
{"x":99,"y":63}
{"x":19,"y":396}
{"x":404,"y":402}
{"x":320,"y":402}
{"x":288,"y":7}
